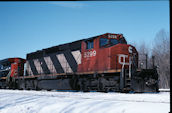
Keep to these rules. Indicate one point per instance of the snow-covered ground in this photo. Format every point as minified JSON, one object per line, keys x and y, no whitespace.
{"x":15,"y":101}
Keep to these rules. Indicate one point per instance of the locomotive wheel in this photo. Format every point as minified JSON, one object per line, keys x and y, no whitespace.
{"x":83,"y":85}
{"x":107,"y":90}
{"x":101,"y":87}
{"x":75,"y":83}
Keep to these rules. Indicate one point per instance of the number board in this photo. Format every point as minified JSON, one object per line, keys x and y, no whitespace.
{"x":112,"y":36}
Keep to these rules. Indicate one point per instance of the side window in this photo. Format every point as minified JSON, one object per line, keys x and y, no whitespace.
{"x":90,"y":44}
{"x":103,"y":41}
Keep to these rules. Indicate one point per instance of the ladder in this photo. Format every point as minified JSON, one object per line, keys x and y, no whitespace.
{"x":126,"y":76}
{"x":127,"y":79}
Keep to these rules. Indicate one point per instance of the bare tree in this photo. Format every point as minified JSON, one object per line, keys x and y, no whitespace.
{"x":161,"y":55}
{"x":144,"y":54}
{"x":161,"y":51}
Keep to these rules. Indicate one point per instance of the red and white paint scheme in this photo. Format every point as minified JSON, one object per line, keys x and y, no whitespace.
{"x":105,"y":56}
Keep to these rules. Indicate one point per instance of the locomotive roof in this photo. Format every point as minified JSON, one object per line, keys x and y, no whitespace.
{"x":75,"y":45}
{"x":4,"y":61}
{"x":58,"y":49}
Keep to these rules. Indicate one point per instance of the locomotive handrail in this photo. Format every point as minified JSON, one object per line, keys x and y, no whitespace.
{"x":8,"y":76}
{"x":77,"y":73}
{"x":123,"y":70}
{"x":130,"y":62}
{"x":130,"y":67}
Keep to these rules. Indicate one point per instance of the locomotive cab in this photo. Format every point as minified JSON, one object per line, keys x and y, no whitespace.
{"x":12,"y":67}
{"x":107,"y":53}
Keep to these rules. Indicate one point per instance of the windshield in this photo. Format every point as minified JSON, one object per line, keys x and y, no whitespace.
{"x":122,"y":41}
{"x":114,"y":41}
{"x":4,"y":70}
{"x":105,"y":42}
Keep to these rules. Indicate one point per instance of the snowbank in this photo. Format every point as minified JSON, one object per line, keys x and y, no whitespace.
{"x":15,"y":101}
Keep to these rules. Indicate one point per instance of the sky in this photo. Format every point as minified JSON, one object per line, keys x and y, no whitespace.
{"x":26,"y":27}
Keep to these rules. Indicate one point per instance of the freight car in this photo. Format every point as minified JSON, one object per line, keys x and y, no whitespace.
{"x":100,"y":63}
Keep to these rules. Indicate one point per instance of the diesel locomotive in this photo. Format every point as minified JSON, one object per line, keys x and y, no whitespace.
{"x":100,"y":63}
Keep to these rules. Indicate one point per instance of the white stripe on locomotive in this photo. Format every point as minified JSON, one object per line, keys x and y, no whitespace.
{"x":28,"y":69}
{"x":49,"y":64}
{"x":38,"y":66}
{"x":64,"y":63}
{"x":77,"y":56}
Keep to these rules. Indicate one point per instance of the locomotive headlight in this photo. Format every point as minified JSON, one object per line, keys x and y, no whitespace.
{"x":130,"y":49}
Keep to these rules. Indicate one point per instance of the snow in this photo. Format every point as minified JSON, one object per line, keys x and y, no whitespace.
{"x":22,"y":101}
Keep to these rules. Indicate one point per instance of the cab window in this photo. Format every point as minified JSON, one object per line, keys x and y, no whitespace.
{"x":103,"y":42}
{"x":90,"y":44}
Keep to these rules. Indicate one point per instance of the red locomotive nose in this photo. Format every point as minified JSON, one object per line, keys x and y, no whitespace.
{"x":120,"y":55}
{"x":104,"y":53}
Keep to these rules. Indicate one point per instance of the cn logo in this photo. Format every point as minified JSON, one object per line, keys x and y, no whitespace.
{"x":122,"y":59}
{"x":130,"y":49}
